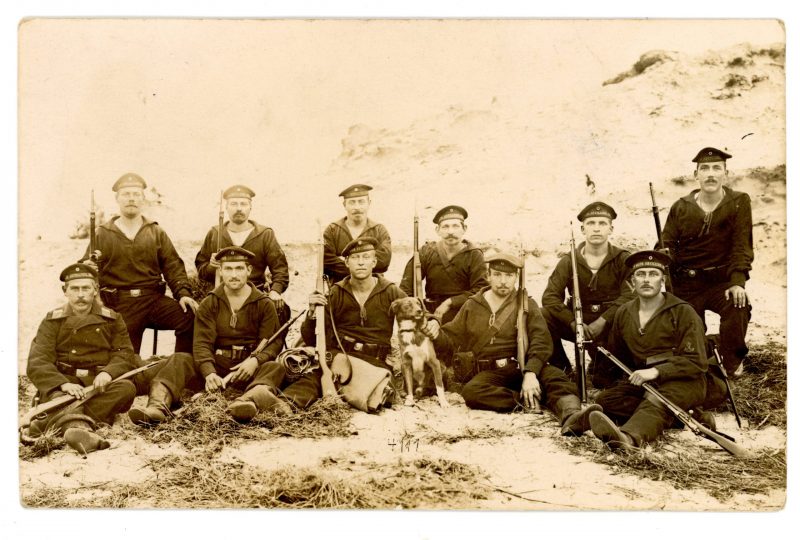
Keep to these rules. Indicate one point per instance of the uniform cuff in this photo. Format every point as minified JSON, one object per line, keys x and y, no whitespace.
{"x":738,"y":278}
{"x":207,"y":368}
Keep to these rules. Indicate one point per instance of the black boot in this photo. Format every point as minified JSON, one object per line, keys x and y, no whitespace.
{"x":258,"y":398}
{"x":574,"y":419}
{"x":79,"y":433}
{"x":607,"y":431}
{"x":157,"y":409}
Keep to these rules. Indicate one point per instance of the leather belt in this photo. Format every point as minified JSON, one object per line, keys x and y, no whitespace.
{"x":374,"y":350}
{"x":235,"y":352}
{"x":69,"y":369}
{"x":496,"y":363}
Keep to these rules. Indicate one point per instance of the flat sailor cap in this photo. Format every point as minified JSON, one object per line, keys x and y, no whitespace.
{"x":234,"y":254}
{"x":238,"y":191}
{"x":648,"y":259}
{"x":359,"y":245}
{"x":710,"y":154}
{"x":504,"y":262}
{"x":129,"y":180}
{"x":78,"y":271}
{"x":450,"y":212}
{"x":597,"y":209}
{"x":356,"y":190}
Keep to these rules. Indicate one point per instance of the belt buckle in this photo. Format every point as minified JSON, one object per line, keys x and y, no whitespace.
{"x":595,"y":308}
{"x":692,"y":272}
{"x":219,"y":352}
{"x":135,"y":293}
{"x":81,"y":372}
{"x":501,"y":362}
{"x":358,"y":346}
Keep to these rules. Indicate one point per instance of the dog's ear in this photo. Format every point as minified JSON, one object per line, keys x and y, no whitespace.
{"x":422,"y":304}
{"x":393,"y":307}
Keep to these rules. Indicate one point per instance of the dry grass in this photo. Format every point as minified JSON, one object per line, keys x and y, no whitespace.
{"x":45,"y":444}
{"x":690,"y":467}
{"x":328,"y":417}
{"x":204,"y":483}
{"x":761,"y":391}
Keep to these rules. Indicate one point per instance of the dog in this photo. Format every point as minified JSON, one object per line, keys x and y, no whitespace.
{"x":416,"y":350}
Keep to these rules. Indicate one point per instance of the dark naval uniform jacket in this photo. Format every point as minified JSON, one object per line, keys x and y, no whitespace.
{"x":672,"y":341}
{"x":224,"y":338}
{"x":456,"y":279}
{"x":337,"y":236}
{"x":70,"y":345}
{"x":602,"y":293}
{"x":365,"y":332}
{"x":262,"y":243}
{"x":718,"y":245}
{"x":473,"y":320}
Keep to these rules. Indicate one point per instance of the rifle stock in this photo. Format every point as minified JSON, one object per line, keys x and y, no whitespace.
{"x":728,"y":388}
{"x":577,"y":311}
{"x":328,"y":387}
{"x":726,"y":442}
{"x":522,"y":327}
{"x":221,"y":224}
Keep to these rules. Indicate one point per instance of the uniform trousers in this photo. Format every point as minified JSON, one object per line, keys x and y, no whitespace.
{"x":181,"y":372}
{"x":498,"y":389}
{"x":642,"y":416}
{"x":703,"y":295}
{"x":159,"y":312}
{"x":104,"y":406}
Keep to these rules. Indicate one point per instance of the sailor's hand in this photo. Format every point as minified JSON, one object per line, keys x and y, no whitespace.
{"x":531,"y":390}
{"x":101,"y":381}
{"x":317,"y":299}
{"x":641,"y":376}
{"x":75,"y":390}
{"x":431,"y":328}
{"x":276,"y":297}
{"x":213,"y":262}
{"x":596,"y":328}
{"x":213,"y":382}
{"x":244,"y":371}
{"x":738,"y":295}
{"x":187,"y":302}
{"x":94,"y":258}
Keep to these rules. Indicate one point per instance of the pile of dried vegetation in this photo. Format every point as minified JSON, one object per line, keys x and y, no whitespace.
{"x":760,"y":392}
{"x":205,"y":483}
{"x":689,"y":467}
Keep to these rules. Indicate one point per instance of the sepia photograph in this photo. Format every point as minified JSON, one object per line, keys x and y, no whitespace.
{"x":430,"y":264}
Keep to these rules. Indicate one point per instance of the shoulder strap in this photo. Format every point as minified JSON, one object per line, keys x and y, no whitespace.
{"x":500,"y":322}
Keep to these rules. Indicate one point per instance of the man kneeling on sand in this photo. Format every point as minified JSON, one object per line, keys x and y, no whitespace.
{"x":229,"y":324}
{"x":80,"y":344}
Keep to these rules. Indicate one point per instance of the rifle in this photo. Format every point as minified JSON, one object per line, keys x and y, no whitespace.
{"x":44,"y":409}
{"x":657,"y":220}
{"x":328,"y":388}
{"x":92,"y":231}
{"x":418,"y":292}
{"x":727,"y":442}
{"x":217,"y":275}
{"x":728,"y":388}
{"x":577,"y":311}
{"x":264,"y":343}
{"x":522,"y":327}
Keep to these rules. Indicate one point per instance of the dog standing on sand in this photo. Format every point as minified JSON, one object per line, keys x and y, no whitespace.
{"x":416,"y":350}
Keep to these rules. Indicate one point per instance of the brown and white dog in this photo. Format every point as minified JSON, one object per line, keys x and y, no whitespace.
{"x":416,"y":349}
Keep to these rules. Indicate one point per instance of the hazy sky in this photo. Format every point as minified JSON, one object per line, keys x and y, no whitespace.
{"x":194,"y":105}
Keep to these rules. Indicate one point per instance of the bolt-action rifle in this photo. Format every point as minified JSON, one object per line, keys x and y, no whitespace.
{"x":657,"y":220}
{"x":522,"y":327}
{"x":727,"y":442}
{"x":418,"y":292}
{"x":577,"y":310}
{"x":328,"y":387}
{"x":93,"y":231}
{"x":218,"y":275}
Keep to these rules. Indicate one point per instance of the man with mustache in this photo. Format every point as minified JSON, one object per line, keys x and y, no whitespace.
{"x":709,"y":237}
{"x":353,"y":226}
{"x":230,"y":323}
{"x":486,"y":327}
{"x":661,"y":339}
{"x":453,"y":268}
{"x":80,"y":344}
{"x":132,"y":255}
{"x":602,"y":281}
{"x":241,"y":231}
